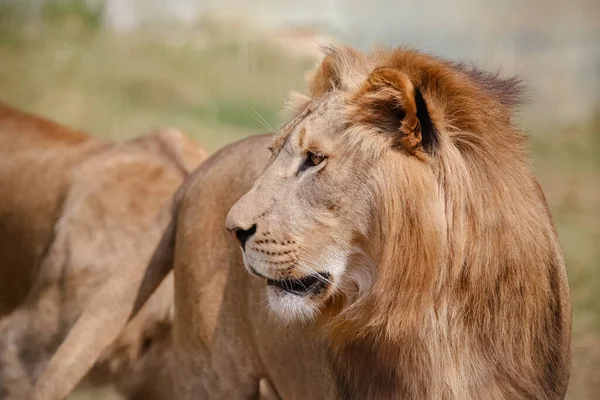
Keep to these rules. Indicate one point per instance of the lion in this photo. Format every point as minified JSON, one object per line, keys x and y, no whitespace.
{"x":77,"y":212}
{"x":394,"y":244}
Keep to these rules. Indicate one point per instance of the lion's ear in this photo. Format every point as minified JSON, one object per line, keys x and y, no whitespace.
{"x":323,"y":78}
{"x":389,"y":100}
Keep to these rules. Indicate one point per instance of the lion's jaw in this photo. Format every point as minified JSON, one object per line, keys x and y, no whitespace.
{"x":299,"y":277}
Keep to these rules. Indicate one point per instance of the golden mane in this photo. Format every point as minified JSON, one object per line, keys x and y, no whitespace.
{"x":483,"y":280}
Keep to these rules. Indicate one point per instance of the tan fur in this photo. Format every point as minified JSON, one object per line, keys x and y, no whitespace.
{"x":75,"y":213}
{"x":445,"y":279}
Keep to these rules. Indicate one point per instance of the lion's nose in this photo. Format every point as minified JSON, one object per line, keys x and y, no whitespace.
{"x":242,"y":235}
{"x":242,"y":218}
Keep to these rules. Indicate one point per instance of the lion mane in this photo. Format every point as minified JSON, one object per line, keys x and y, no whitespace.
{"x":481,"y":308}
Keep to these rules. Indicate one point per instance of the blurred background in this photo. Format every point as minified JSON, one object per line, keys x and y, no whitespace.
{"x":219,"y":70}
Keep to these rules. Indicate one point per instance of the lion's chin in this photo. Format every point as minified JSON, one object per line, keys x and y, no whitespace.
{"x":290,"y":307}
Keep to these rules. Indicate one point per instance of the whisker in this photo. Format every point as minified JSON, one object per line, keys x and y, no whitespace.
{"x":263,"y":119}
{"x":324,"y":279}
{"x":259,"y":118}
{"x":263,"y":124}
{"x":301,"y":283}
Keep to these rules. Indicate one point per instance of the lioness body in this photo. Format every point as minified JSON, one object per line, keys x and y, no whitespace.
{"x":75,"y":213}
{"x":34,"y":157}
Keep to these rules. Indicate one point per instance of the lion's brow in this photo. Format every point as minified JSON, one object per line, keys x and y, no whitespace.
{"x":288,"y":128}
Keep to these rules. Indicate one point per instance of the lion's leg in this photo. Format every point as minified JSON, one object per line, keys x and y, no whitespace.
{"x":28,"y":337}
{"x":32,"y":333}
{"x":15,"y":378}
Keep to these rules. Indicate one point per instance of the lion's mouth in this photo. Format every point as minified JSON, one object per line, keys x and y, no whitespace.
{"x":301,"y":287}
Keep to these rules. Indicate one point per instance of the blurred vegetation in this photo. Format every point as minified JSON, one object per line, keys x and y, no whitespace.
{"x":567,"y":162}
{"x":216,"y":83}
{"x":219,"y":83}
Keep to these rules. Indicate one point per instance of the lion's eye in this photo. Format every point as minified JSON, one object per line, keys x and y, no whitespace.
{"x":313,"y":159}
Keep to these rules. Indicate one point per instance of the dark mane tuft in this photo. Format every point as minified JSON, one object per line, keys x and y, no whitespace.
{"x":508,"y":91}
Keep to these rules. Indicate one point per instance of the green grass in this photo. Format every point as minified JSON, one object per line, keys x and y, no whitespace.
{"x":214,"y":83}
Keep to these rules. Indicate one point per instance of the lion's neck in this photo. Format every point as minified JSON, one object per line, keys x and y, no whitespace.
{"x":380,"y":358}
{"x":372,"y":367}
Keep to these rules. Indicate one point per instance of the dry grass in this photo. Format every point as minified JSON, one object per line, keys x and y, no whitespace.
{"x":211,"y":82}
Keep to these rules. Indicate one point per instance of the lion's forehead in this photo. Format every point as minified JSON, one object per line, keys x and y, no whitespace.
{"x":323,"y":117}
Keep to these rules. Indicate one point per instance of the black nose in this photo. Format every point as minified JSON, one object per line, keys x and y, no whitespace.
{"x":244,"y":234}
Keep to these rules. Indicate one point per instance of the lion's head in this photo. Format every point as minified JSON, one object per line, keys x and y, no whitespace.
{"x":355,"y":168}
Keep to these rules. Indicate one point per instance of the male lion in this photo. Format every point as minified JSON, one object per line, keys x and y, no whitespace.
{"x":77,"y":212}
{"x":398,"y":218}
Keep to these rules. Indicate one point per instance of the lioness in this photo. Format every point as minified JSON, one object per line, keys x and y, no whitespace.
{"x":75,"y":213}
{"x":398,"y":218}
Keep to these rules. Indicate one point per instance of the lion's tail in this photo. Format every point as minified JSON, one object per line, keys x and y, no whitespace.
{"x":106,"y":315}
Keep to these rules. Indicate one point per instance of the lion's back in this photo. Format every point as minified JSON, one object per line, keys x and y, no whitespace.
{"x":36,"y":156}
